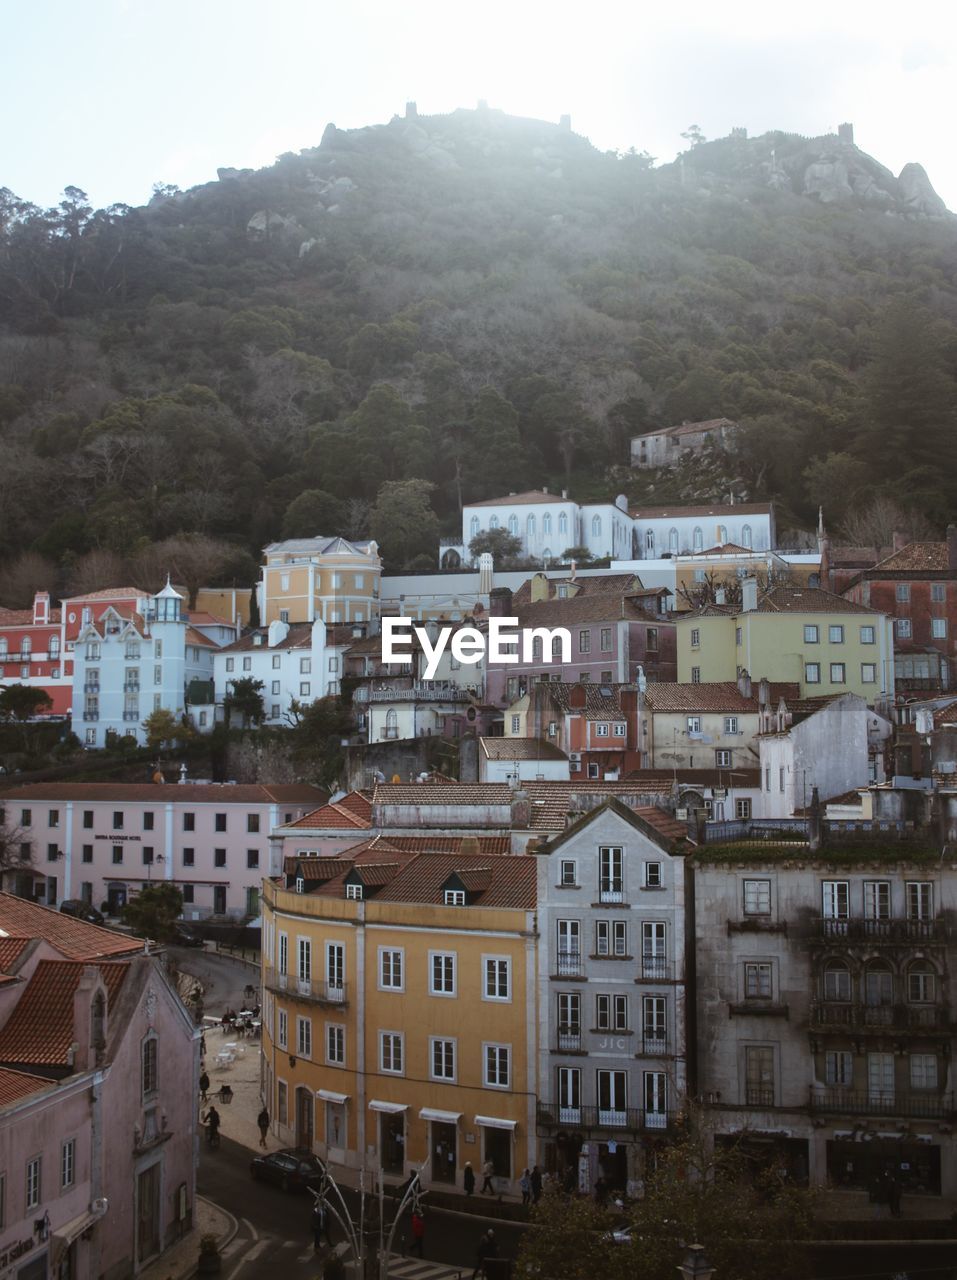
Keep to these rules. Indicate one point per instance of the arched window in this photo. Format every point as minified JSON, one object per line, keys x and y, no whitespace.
{"x":530,"y":527}
{"x":474,"y":527}
{"x":547,"y":523}
{"x":650,"y":541}
{"x":837,"y":981}
{"x":547,"y":553}
{"x":878,"y":985}
{"x":54,"y":649}
{"x":697,"y":540}
{"x":596,"y":526}
{"x":746,"y":536}
{"x":722,"y":534}
{"x":921,"y":983}
{"x":563,"y":523}
{"x":513,"y":525}
{"x":493,"y":523}
{"x":391,"y":723}
{"x":673,"y":541}
{"x":26,"y":644}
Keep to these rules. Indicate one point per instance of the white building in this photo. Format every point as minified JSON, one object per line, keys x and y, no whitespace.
{"x":295,"y":661}
{"x":660,"y":531}
{"x":128,"y":664}
{"x":663,"y":448}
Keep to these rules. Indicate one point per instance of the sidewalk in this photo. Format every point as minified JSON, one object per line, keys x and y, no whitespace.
{"x":180,"y":1260}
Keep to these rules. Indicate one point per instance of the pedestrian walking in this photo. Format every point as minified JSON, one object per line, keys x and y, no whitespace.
{"x":468,"y":1178}
{"x":320,"y":1225}
{"x":536,"y":1181}
{"x":263,"y":1121}
{"x":894,"y":1195}
{"x":525,"y":1182}
{"x":487,"y":1248}
{"x":417,"y":1243}
{"x":212,"y":1127}
{"x":203,"y":1087}
{"x":488,"y":1169}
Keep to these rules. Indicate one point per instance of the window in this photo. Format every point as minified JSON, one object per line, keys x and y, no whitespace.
{"x":612,"y":1097}
{"x":742,"y":808}
{"x":148,"y":855}
{"x":921,"y":983}
{"x":454,"y":897}
{"x":569,"y":873}
{"x":902,"y":628}
{"x":611,"y":937}
{"x":920,"y":900}
{"x":282,"y":1029}
{"x":938,"y":592}
{"x":53,"y":852}
{"x":837,"y":981}
{"x":283,"y":615}
{"x":867,"y":635}
{"x":619,"y":730}
{"x":305,"y":689}
{"x":305,"y":666}
{"x":219,"y":857}
{"x":189,"y":821}
{"x":335,"y":1044}
{"x":697,"y":539}
{"x":34,"y":1178}
{"x":247,"y":664}
{"x":731,"y":725}
{"x":938,"y":628}
{"x":868,"y":673}
{"x":516,"y":724}
{"x":117,"y":854}
{"x":695,"y":638}
{"x":611,"y":881}
{"x":304,"y":1037}
{"x":835,"y":899}
{"x":118,"y":820}
{"x":605,"y":639}
{"x":220,"y":823}
{"x":498,"y":978}
{"x":812,"y":673}
{"x":722,"y":759}
{"x":513,"y":525}
{"x":282,"y":1102}
{"x":67,"y":1163}
{"x":877,"y":899}
{"x":837,"y":673}
{"x":87,"y":853}
{"x":923,"y":1071}
{"x":442,"y":973}
{"x":838,"y":1067}
{"x":611,"y":1013}
{"x":230,"y":664}
{"x":757,"y":897}
{"x":812,"y":634}
{"x":497,"y":1073}
{"x":26,"y":818}
{"x":562,"y":522}
{"x":390,"y":1052}
{"x":695,"y":675}
{"x":835,"y":635}
{"x":276,"y":662}
{"x":651,"y":875}
{"x":189,"y":857}
{"x":442,"y":1058}
{"x":694,"y":724}
{"x":354,"y":892}
{"x":601,"y":730}
{"x":584,"y":642}
{"x":903,"y":592}
{"x":390,"y":968}
{"x":737,"y":636}
{"x":149,"y":1079}
{"x":252,"y":822}
{"x":187,"y":892}
{"x":759,"y":1075}
{"x":252,"y":858}
{"x":546,"y":523}
{"x":757,"y":980}
{"x":53,"y":818}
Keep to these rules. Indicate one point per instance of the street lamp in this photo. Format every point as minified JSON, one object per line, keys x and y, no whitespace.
{"x":331,"y":1197}
{"x":695,"y":1265}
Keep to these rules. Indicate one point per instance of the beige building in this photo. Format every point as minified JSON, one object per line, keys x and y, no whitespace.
{"x":329,"y":578}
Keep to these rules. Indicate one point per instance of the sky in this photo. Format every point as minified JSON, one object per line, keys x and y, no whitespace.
{"x":115,"y":95}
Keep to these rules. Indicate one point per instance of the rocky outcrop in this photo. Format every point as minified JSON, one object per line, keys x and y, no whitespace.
{"x":918,"y":194}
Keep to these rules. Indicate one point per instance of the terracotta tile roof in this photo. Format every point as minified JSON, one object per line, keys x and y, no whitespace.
{"x":605,"y":606}
{"x":320,"y":545}
{"x":667,"y":829}
{"x":353,"y":810}
{"x":179,"y":793}
{"x":485,"y":846}
{"x":855,"y":557}
{"x":627,"y":584}
{"x":521,"y":749}
{"x":676,"y":512}
{"x":520,"y":499}
{"x":510,"y":880}
{"x":73,"y":938}
{"x":691,"y":428}
{"x":40,"y":1030}
{"x":551,"y":803}
{"x":669,"y":826}
{"x":24,"y":618}
{"x":727,"y":549}
{"x":722,"y":695}
{"x":311,"y":869}
{"x":491,"y":793}
{"x":15,"y":1085}
{"x":602,"y":701}
{"x":916,"y":557}
{"x":946,"y":714}
{"x":807,"y":600}
{"x":11,"y":949}
{"x":299,"y":636}
{"x":109,"y":593}
{"x":197,"y":638}
{"x":201,"y":618}
{"x":650,"y":779}
{"x":376,"y":873}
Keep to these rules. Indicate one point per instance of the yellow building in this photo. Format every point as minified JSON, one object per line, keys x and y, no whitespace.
{"x":699,"y":574}
{"x":818,"y":640}
{"x":399,"y":1022}
{"x":329,"y":578}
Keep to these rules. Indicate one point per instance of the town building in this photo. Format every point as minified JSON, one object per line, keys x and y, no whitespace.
{"x":103,"y":842}
{"x":294,"y":662}
{"x":594,"y":725}
{"x":612,"y":1032}
{"x":677,"y":530}
{"x":665,"y":447}
{"x":714,"y":575}
{"x":515,"y":760}
{"x":329,"y":578}
{"x":99,"y":1061}
{"x":396,"y":1018}
{"x":825,"y":1018}
{"x":31,"y":652}
{"x":803,"y":635}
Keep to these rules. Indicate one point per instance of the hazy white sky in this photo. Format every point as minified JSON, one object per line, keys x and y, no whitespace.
{"x":114,"y":95}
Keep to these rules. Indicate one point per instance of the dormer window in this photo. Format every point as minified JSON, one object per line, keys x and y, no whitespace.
{"x":354,"y":891}
{"x":300,"y":884}
{"x":454,"y":897}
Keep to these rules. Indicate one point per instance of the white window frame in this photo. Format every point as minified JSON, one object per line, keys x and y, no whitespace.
{"x":839,"y":1068}
{"x":448,"y":1042}
{"x":303,"y":1037}
{"x":448,"y":989}
{"x":335,"y":1039}
{"x":568,"y":873}
{"x":33,"y":1188}
{"x":390,"y":960}
{"x":758,"y":980}
{"x":495,"y":1075}
{"x":493,"y":967}
{"x":391,"y":1049}
{"x":67,"y":1164}
{"x":282,"y":1028}
{"x":812,"y":673}
{"x":868,"y":634}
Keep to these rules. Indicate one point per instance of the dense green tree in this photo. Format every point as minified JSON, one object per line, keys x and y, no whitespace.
{"x":315,"y":512}
{"x":154,"y":911}
{"x":504,"y":547}
{"x":403,"y":522}
{"x":244,"y":697}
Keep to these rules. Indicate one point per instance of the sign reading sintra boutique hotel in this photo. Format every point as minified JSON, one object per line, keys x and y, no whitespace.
{"x":505,"y":641}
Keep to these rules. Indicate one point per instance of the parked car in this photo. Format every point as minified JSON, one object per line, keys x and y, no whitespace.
{"x":81,"y":910}
{"x":183,"y":937}
{"x":289,"y":1169}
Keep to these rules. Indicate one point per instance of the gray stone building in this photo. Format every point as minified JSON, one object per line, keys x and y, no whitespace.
{"x":611,"y":992}
{"x":824,"y":1013}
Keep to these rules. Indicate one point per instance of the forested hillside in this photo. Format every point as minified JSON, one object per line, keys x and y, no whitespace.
{"x":480,"y":303}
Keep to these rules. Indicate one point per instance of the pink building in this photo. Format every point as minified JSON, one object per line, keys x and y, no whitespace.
{"x":104,"y":841}
{"x":31,"y":652}
{"x":98,"y":1069}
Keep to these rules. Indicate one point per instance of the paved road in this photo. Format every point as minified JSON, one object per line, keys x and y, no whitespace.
{"x":275,"y":1236}
{"x":223,"y":978}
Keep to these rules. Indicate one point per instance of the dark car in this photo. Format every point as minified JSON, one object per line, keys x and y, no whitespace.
{"x":182,"y":937}
{"x":82,"y":911}
{"x":289,"y":1169}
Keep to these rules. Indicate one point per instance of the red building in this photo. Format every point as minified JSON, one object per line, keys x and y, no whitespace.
{"x":31,"y":652}
{"x":917,"y":587}
{"x":595,"y":725}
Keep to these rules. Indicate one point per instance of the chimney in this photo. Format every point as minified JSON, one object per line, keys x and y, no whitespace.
{"x":814,"y":822}
{"x":486,"y":572}
{"x":749,"y":595}
{"x":469,"y":846}
{"x":89,"y":1019}
{"x":521,"y":811}
{"x":500,"y":603}
{"x":41,"y":607}
{"x":744,"y":683}
{"x":952,"y":548}
{"x":899,"y":540}
{"x":764,"y":693}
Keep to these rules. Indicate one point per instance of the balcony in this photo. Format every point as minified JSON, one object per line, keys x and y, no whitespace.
{"x":130,"y":686}
{"x":611,"y":894}
{"x":570,"y":1040}
{"x":653,"y":1046}
{"x":655,"y":969}
{"x":91,"y":714}
{"x":901,"y":1019}
{"x":909,"y":1104}
{"x":879,"y":932}
{"x":318,"y":989}
{"x":602,"y":1120}
{"x":131,"y":716}
{"x":91,"y":686}
{"x":569,"y":965}
{"x":415,"y":693}
{"x":759,"y":1095}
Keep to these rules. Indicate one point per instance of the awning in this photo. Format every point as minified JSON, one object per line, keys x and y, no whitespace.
{"x":446,"y":1117}
{"x":330,"y":1095}
{"x":494,"y":1122}
{"x":391,"y":1108}
{"x":64,"y":1236}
